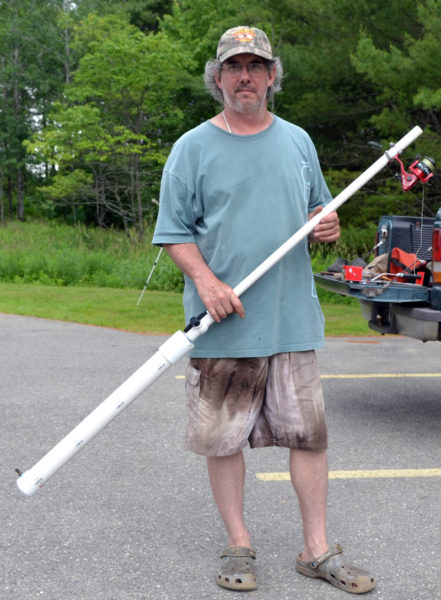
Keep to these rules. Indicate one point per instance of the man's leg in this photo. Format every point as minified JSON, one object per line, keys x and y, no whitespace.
{"x":227,"y":478}
{"x":309,"y":476}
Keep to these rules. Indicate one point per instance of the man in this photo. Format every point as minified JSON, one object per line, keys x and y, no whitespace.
{"x":233,"y":190}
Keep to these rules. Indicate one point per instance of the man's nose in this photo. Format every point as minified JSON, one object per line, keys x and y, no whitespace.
{"x":244,"y":74}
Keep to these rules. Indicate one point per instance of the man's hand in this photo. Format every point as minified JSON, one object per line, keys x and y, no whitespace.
{"x":328,"y":230}
{"x":217,"y":297}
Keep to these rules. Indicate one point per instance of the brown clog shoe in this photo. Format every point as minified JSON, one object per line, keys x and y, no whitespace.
{"x":332,"y":567}
{"x":236,"y":569}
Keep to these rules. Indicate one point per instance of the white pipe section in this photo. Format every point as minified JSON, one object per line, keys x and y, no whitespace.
{"x":180,"y":343}
{"x":331,"y":207}
{"x":176,"y":347}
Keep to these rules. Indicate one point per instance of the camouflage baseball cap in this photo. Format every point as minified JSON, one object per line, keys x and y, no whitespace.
{"x":242,"y":40}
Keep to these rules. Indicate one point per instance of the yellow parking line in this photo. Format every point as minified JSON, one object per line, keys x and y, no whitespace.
{"x":366,"y":375}
{"x":379,"y":375}
{"x":369,"y":474}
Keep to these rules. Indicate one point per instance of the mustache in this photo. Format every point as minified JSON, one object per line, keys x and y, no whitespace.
{"x":246,"y":87}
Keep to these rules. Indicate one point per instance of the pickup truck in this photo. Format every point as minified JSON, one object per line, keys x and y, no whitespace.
{"x":407,"y":304}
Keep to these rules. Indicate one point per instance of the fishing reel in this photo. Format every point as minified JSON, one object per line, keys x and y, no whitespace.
{"x":420,"y":170}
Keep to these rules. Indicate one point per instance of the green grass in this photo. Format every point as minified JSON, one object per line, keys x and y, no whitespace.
{"x":95,"y":276}
{"x":345,"y":320}
{"x":57,"y":254}
{"x":157,"y":313}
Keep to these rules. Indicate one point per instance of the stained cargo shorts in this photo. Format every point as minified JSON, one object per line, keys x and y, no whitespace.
{"x":269,"y":401}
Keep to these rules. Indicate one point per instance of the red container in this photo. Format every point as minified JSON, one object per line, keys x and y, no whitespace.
{"x":436,"y":255}
{"x":353,"y":273}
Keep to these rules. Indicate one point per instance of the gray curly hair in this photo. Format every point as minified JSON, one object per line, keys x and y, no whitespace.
{"x":214,"y":67}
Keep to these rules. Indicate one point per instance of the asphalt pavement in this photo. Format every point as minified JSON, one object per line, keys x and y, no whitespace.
{"x":131,"y":516}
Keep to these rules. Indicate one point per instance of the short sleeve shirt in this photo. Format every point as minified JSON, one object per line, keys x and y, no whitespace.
{"x":239,"y":198}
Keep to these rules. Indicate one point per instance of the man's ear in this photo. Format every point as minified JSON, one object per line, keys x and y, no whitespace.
{"x":271,"y":77}
{"x":218,"y":80}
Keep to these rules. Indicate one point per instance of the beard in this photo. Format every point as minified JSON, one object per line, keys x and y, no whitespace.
{"x":248,"y":104}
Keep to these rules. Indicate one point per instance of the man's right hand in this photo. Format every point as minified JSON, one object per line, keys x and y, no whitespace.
{"x":218,"y":298}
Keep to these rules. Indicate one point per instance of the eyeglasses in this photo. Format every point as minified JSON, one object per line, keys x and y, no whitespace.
{"x":254,"y":69}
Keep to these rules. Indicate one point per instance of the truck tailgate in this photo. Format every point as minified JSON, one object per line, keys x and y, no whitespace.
{"x":375,"y":291}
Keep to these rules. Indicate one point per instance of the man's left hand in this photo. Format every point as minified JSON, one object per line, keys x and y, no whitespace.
{"x":328,"y":230}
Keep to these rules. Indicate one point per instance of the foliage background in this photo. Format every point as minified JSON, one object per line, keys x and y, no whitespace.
{"x":93,"y":94}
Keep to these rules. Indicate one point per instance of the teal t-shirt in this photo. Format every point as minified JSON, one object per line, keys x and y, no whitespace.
{"x":239,"y":198}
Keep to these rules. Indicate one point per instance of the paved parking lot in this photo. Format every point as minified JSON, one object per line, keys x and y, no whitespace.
{"x":131,"y":516}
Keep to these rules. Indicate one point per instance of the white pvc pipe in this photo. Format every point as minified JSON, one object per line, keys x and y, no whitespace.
{"x":176,"y":347}
{"x":331,"y":207}
{"x":180,"y":344}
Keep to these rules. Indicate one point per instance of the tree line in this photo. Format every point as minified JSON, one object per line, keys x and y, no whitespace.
{"x":93,"y":93}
